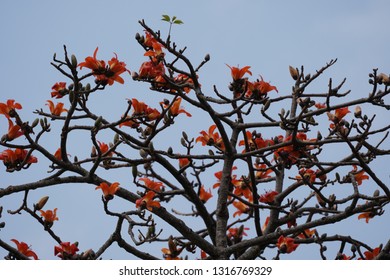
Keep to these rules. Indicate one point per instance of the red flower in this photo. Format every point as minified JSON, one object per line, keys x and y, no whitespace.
{"x":97,"y":66}
{"x":259,"y":89}
{"x":14,"y":159}
{"x":183,"y":162}
{"x":359,"y":175}
{"x":152,"y":185}
{"x":57,"y":109}
{"x":155,"y":52}
{"x":286,"y":245}
{"x":338,"y":115}
{"x":204,"y":195}
{"x":8,"y":109}
{"x":147,"y":201}
{"x":149,"y":40}
{"x":182,"y":80}
{"x":108,"y":190}
{"x":115,"y":68}
{"x":176,"y":109}
{"x":320,"y":105}
{"x":218,"y":175}
{"x":307,"y":233}
{"x":255,"y":142}
{"x":235,"y":235}
{"x":14,"y":131}
{"x":265,"y":225}
{"x":59,"y":90}
{"x":49,"y":215}
{"x":57,"y":154}
{"x":242,"y":208}
{"x":105,"y":74}
{"x":290,"y":154}
{"x":151,"y":70}
{"x":173,"y":251}
{"x":24,"y":249}
{"x":268,"y":197}
{"x":211,"y":138}
{"x":104,"y":148}
{"x":238,"y":73}
{"x":66,"y":250}
{"x":262,"y":172}
{"x":128,"y":121}
{"x":371,"y":255}
{"x":367,"y":215}
{"x":243,"y":187}
{"x":140,"y":109}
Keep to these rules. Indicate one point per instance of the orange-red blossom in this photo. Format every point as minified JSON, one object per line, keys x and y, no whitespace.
{"x":57,"y":109}
{"x":238,"y":73}
{"x":49,"y":217}
{"x":7,"y":109}
{"x":268,"y":197}
{"x":286,"y":245}
{"x":259,"y":89}
{"x":176,"y":109}
{"x":58,"y":90}
{"x":147,"y":201}
{"x":241,"y":207}
{"x":211,"y":138}
{"x":371,"y":255}
{"x":13,"y":158}
{"x":66,"y":250}
{"x":204,"y":195}
{"x":14,"y":131}
{"x":108,"y":190}
{"x":152,"y":185}
{"x":105,"y":73}
{"x":24,"y":249}
{"x":359,"y":175}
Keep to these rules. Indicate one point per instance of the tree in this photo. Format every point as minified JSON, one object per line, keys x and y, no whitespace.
{"x":282,"y":145}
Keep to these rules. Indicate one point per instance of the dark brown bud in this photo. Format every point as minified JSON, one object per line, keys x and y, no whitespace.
{"x":41,"y":203}
{"x":293,"y":72}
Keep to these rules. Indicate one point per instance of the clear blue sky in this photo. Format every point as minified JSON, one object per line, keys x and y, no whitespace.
{"x":267,"y":35}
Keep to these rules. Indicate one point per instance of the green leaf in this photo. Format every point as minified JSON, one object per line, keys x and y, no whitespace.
{"x":178,"y":21}
{"x":166,"y":18}
{"x":173,"y":18}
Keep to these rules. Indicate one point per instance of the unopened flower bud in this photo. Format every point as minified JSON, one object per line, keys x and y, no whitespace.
{"x":93,"y":151}
{"x":293,"y":72}
{"x":143,"y":153}
{"x":98,"y":121}
{"x":376,"y":193}
{"x":35,"y":123}
{"x":358,"y":112}
{"x":207,"y":57}
{"x":134,"y":75}
{"x":41,"y":203}
{"x":73,"y":59}
{"x":134,"y":171}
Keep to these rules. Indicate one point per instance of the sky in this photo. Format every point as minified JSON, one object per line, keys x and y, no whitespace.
{"x":267,"y":35}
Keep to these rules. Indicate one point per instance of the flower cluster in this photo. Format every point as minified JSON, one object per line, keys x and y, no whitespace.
{"x":154,"y":71}
{"x":151,"y":189}
{"x":17,"y":159}
{"x":290,"y":154}
{"x":257,"y":90}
